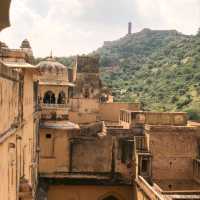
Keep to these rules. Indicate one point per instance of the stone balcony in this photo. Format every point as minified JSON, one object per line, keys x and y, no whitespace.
{"x":55,"y":111}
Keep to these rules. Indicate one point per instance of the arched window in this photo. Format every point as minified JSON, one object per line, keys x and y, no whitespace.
{"x":49,"y":98}
{"x":110,"y":198}
{"x":86,"y":93}
{"x":61,"y":98}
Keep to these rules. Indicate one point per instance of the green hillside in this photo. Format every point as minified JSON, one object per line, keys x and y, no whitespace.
{"x":161,"y":69}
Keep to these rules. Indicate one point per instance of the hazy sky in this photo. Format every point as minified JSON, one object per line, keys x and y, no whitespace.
{"x":71,"y":27}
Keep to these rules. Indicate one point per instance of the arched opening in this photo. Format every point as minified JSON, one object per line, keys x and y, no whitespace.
{"x":111,"y":197}
{"x":61,"y":98}
{"x":86,"y":93}
{"x":103,"y":98}
{"x":49,"y":98}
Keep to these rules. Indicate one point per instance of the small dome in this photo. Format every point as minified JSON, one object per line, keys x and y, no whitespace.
{"x":3,"y":45}
{"x":25,"y":44}
{"x":50,"y":64}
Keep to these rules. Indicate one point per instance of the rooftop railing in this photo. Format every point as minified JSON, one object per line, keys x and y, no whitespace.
{"x":53,"y":106}
{"x":136,"y":118}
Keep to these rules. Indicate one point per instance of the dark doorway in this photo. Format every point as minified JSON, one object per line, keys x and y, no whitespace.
{"x":61,"y":98}
{"x":110,"y":198}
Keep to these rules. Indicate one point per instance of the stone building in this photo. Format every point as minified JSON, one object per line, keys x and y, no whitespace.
{"x":19,"y":125}
{"x":80,"y":125}
{"x":62,"y":137}
{"x":166,"y":155}
{"x":113,"y":150}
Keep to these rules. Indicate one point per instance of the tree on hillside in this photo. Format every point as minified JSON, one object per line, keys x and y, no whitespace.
{"x":198,"y":33}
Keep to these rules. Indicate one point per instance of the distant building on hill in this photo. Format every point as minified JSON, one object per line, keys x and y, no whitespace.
{"x":129,"y":28}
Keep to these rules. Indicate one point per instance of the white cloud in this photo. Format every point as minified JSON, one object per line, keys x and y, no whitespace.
{"x":76,"y":26}
{"x":183,"y":15}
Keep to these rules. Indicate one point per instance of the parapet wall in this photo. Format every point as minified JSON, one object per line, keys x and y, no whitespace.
{"x":111,"y":111}
{"x":158,"y":118}
{"x":152,"y":118}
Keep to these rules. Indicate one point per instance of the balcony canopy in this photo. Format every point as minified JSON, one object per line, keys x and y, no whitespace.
{"x":4,"y":13}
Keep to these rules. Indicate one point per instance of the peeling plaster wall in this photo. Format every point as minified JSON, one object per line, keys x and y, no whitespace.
{"x":53,"y":158}
{"x":84,"y":152}
{"x":99,"y":152}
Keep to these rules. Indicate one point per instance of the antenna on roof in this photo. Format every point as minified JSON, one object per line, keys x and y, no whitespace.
{"x":129,"y":28}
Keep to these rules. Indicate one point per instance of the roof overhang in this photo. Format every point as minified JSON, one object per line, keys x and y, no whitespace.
{"x":21,"y":65}
{"x":4,"y":14}
{"x":57,"y":83}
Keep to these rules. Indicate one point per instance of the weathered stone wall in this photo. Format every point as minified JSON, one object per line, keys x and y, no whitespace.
{"x":177,"y":119}
{"x":76,"y":151}
{"x":8,"y":169}
{"x":87,"y":78}
{"x":9,"y":107}
{"x":85,"y":192}
{"x":83,"y":111}
{"x":52,"y":158}
{"x":111,"y":111}
{"x":9,"y":99}
{"x":173,"y":150}
{"x":100,"y":151}
{"x":83,"y":118}
{"x":87,"y":64}
{"x":139,"y":118}
{"x":107,"y":154}
{"x":18,"y":135}
{"x":88,"y":85}
{"x":84,"y":105}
